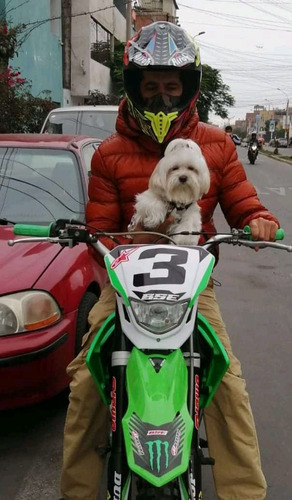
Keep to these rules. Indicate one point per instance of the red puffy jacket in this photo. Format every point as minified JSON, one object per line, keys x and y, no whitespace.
{"x":123,"y":163}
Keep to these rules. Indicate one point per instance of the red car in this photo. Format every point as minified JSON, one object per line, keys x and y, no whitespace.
{"x":46,"y":291}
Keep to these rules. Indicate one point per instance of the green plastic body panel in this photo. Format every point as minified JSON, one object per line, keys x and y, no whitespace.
{"x":94,"y":358}
{"x":32,"y":230}
{"x":217,"y":365}
{"x":213,"y":373}
{"x":155,"y":399}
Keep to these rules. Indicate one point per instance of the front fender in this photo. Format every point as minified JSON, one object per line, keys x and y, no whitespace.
{"x":157,"y":426}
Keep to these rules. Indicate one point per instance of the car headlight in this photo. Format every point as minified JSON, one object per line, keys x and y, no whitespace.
{"x":158,"y":317}
{"x":27,"y":311}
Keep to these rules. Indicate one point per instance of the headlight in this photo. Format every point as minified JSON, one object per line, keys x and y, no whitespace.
{"x":27,"y":311}
{"x":158,"y":317}
{"x":254,"y":148}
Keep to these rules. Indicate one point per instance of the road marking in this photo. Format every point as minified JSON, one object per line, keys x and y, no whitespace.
{"x":281,"y":191}
{"x":260,"y":193}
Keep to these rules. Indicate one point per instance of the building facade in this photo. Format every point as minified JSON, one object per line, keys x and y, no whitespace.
{"x":40,"y":56}
{"x":149,"y":11}
{"x":67,"y":44}
{"x":93,"y":38}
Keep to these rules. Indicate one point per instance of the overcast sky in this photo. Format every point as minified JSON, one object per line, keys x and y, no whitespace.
{"x":250,"y":43}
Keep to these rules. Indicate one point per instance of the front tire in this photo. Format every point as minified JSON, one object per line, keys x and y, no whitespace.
{"x":251,"y":159}
{"x":82,"y":325}
{"x":146,"y":491}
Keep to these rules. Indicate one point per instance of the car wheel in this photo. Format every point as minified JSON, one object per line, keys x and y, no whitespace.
{"x":82,"y":325}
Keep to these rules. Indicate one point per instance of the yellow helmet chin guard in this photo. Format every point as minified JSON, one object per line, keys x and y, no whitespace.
{"x":160,"y":123}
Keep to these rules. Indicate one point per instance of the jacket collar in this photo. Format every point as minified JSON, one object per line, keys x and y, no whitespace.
{"x":126,"y":125}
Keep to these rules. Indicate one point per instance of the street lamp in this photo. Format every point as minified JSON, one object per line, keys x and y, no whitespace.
{"x":287,"y":110}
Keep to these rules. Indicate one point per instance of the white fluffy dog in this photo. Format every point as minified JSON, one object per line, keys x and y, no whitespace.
{"x":179,"y":180}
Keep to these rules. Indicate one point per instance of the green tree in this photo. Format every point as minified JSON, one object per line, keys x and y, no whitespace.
{"x":214,"y":95}
{"x":20,"y":111}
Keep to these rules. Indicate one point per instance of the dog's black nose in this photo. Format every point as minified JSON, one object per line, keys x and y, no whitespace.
{"x":183,"y":178}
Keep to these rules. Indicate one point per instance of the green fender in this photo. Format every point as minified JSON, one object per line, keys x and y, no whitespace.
{"x":157,"y":425}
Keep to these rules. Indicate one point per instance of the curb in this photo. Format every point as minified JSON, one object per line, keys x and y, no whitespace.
{"x":277,"y":157}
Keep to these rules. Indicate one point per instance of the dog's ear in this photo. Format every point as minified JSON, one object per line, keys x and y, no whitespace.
{"x":158,"y":178}
{"x":204,"y":177}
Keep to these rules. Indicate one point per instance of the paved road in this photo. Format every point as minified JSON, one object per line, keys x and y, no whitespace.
{"x":255,"y":299}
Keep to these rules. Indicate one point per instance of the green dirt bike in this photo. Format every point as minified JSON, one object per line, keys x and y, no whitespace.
{"x":156,"y":361}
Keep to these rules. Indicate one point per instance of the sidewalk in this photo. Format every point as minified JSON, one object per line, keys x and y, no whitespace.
{"x":284,"y":154}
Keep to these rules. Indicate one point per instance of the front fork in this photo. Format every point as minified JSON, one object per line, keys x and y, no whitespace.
{"x":118,"y":471}
{"x":193,"y":477}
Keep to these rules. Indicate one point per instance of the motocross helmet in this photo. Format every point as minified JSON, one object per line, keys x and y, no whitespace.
{"x":162,"y":46}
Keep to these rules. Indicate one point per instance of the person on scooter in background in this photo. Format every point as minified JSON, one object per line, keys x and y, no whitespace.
{"x":234,"y":137}
{"x":253,"y":141}
{"x":162,"y":75}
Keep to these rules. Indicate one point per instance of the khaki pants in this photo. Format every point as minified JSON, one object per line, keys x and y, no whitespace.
{"x":229,"y":423}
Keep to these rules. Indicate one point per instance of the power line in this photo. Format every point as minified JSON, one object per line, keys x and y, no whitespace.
{"x":85,"y":13}
{"x":258,"y":23}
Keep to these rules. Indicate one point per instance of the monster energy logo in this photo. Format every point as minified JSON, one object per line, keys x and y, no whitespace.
{"x":160,"y":446}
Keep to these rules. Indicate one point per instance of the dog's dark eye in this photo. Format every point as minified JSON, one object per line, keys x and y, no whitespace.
{"x":175,"y":168}
{"x":193,"y":169}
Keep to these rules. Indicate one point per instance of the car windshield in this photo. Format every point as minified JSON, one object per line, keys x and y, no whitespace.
{"x":99,"y":124}
{"x":40,"y":185}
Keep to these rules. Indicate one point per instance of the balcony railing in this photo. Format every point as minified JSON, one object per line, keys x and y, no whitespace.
{"x":101,"y":52}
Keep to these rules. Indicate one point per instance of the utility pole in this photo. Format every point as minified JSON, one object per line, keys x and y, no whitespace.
{"x":287,"y":117}
{"x":66,"y":42}
{"x":129,"y":20}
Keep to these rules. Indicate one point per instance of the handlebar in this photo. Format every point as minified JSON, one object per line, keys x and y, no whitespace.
{"x":69,"y":233}
{"x":280,"y":233}
{"x":33,"y":230}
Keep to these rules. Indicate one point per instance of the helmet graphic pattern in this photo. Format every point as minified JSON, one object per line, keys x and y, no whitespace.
{"x":163,"y":44}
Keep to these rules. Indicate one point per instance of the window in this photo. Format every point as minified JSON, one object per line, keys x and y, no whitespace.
{"x":40,"y":185}
{"x":121,"y":5}
{"x":100,"y":40}
{"x":95,"y":123}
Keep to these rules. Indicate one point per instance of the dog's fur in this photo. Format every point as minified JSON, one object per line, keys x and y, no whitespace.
{"x":179,"y":180}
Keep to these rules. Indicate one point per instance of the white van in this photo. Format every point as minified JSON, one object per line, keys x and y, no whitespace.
{"x":96,"y":121}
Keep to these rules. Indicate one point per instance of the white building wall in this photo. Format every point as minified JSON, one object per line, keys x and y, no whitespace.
{"x":169,"y":7}
{"x":87,"y":74}
{"x":99,"y":77}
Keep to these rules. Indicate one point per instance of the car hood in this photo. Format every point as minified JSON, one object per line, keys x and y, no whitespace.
{"x":22,"y":265}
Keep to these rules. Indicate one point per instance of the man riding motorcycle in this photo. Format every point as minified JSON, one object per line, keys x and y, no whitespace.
{"x":253,"y":148}
{"x":254,"y":140}
{"x":162,"y":75}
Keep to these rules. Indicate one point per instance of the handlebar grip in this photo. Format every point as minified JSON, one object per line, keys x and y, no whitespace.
{"x":32,"y":230}
{"x":280,"y":233}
